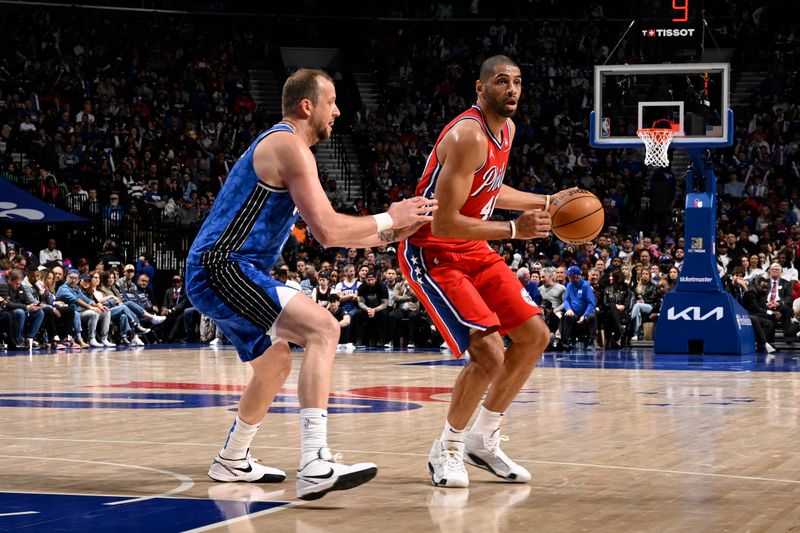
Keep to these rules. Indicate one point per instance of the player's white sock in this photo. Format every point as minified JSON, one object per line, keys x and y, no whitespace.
{"x":239,"y":438}
{"x":452,"y":437}
{"x":487,"y":422}
{"x":313,"y":433}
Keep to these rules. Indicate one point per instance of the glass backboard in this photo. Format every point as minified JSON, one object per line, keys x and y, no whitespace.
{"x":692,"y":95}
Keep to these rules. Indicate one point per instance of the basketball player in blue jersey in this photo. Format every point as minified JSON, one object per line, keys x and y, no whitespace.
{"x":227,"y":279}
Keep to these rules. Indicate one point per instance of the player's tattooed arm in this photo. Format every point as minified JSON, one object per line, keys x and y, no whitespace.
{"x":387,"y":236}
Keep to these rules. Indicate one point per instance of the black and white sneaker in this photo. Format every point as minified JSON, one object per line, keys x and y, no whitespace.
{"x":484,"y":452}
{"x":247,"y":469}
{"x":326,"y":473}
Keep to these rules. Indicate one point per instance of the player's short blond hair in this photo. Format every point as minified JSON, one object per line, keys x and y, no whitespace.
{"x":302,"y":85}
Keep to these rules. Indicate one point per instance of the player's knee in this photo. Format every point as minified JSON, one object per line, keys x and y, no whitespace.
{"x":487,"y":353}
{"x":329,"y":330}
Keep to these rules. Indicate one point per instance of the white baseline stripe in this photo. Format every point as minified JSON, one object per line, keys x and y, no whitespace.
{"x":19,"y":513}
{"x":406,"y":454}
{"x":186,"y":481}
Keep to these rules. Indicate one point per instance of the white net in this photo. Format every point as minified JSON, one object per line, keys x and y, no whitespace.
{"x":656,"y":142}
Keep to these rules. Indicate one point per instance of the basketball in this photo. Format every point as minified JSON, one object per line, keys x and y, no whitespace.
{"x":577,"y":216}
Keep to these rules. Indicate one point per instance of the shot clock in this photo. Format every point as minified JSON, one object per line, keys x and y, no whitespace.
{"x":669,"y":27}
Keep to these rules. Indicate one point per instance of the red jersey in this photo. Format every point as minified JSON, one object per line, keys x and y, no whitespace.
{"x":485,"y":184}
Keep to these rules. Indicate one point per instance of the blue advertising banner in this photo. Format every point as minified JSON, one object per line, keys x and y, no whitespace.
{"x":18,"y":206}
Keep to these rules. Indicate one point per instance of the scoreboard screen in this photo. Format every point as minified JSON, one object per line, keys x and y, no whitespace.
{"x":671,"y":24}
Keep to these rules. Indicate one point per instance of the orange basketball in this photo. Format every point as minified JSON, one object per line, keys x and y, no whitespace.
{"x":577,"y":216}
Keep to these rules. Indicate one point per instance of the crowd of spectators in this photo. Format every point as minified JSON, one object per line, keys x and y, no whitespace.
{"x":141,"y":120}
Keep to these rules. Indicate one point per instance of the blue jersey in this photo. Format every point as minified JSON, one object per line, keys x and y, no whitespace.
{"x":250,"y":221}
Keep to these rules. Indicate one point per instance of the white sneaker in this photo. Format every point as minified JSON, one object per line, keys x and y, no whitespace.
{"x":326,"y":474}
{"x":157,"y":319}
{"x":136,"y":341}
{"x":387,"y":346}
{"x":770,"y":348}
{"x":410,"y":346}
{"x":484,"y":452}
{"x":214,"y":342}
{"x":444,"y":346}
{"x":246,"y":469}
{"x":94,"y":344}
{"x":107,"y":343}
{"x":141,"y":329}
{"x":350,"y":347}
{"x":446,"y":466}
{"x":634,"y":338}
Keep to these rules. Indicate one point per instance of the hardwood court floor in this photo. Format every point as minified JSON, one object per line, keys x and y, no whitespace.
{"x":618,"y":441}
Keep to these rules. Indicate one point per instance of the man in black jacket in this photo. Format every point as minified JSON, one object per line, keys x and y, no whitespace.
{"x":760,"y":316}
{"x":26,"y":313}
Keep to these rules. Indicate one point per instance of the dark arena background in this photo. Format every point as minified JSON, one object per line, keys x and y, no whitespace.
{"x":120,"y":122}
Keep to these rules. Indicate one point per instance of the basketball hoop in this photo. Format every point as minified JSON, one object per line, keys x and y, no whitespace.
{"x":656,"y":142}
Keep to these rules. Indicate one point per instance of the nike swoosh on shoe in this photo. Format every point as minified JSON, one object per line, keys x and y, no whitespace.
{"x":323,"y":476}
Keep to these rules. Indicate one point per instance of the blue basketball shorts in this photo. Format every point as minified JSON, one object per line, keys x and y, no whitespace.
{"x":243,"y":301}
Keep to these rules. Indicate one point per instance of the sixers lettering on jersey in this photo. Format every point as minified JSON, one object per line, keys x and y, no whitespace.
{"x":485,"y":184}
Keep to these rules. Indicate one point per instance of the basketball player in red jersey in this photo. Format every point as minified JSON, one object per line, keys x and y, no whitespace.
{"x":468,"y":290}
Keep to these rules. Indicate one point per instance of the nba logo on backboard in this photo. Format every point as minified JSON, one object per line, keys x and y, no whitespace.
{"x":605,"y":127}
{"x":698,"y":203}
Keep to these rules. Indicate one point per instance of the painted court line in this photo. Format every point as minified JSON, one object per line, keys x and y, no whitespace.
{"x":186,"y":481}
{"x":403,"y":454}
{"x":19,"y":513}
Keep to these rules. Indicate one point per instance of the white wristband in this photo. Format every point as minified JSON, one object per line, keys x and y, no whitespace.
{"x":383,"y":221}
{"x":547,"y":203}
{"x":513,"y":229}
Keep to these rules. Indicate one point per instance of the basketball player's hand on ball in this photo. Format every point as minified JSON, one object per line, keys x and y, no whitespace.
{"x":412,"y":211}
{"x":533,"y":224}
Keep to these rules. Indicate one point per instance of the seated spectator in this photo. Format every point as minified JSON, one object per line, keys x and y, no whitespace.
{"x":646,"y":298}
{"x":552,"y":292}
{"x":763,"y":328}
{"x":347,"y":289}
{"x":182,"y":318}
{"x":579,"y":311}
{"x":322,"y":292}
{"x":109,"y":288}
{"x":344,"y":320}
{"x":373,"y":299}
{"x":754,"y":301}
{"x":616,"y":307}
{"x":778,"y":299}
{"x":28,"y":313}
{"x":70,"y":293}
{"x":8,"y":335}
{"x":103,"y":325}
{"x":141,"y":295}
{"x":121,"y":316}
{"x":309,"y":283}
{"x":406,"y":305}
{"x":532,"y":287}
{"x":51,"y":254}
{"x":128,"y":281}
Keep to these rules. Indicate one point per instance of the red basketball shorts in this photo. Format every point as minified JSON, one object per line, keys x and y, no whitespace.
{"x":467,"y":291}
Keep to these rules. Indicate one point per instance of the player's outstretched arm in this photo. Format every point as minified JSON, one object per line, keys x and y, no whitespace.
{"x":516,"y":200}
{"x":298,"y":170}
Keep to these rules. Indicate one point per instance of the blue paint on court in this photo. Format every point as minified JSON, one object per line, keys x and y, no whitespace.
{"x":182,"y":400}
{"x":74,"y":513}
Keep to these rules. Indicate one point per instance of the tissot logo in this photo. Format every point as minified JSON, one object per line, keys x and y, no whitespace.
{"x":694,"y":313}
{"x":668,"y":32}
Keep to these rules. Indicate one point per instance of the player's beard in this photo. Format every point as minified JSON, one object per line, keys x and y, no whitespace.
{"x":323,"y":134}
{"x":499,"y":106}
